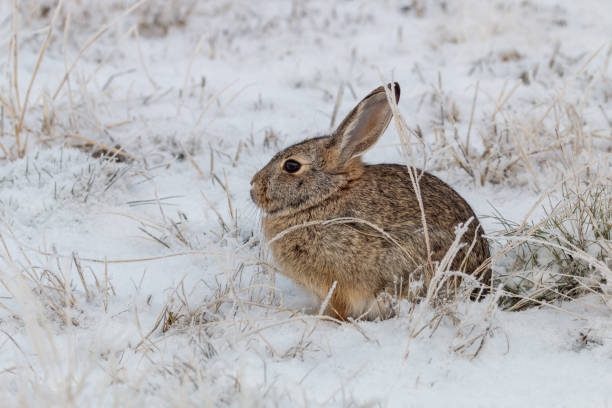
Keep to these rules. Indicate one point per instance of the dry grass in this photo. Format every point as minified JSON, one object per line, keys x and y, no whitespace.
{"x":21,"y":129}
{"x":515,"y":145}
{"x":550,"y":147}
{"x":567,"y":255}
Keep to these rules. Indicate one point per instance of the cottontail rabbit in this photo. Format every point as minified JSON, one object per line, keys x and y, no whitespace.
{"x":332,"y":218}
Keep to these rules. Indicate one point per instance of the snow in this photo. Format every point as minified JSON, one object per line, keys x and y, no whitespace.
{"x":272,"y":72}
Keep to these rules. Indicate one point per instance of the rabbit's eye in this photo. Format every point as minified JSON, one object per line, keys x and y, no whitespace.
{"x":291,"y":166}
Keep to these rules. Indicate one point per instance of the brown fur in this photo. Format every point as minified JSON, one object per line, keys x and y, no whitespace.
{"x":334,"y":183}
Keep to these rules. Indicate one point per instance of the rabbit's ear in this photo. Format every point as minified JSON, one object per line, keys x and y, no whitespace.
{"x":364,"y":125}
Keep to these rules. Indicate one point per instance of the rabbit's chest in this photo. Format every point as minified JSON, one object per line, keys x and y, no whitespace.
{"x":318,"y":247}
{"x":292,"y":243}
{"x":302,"y":249}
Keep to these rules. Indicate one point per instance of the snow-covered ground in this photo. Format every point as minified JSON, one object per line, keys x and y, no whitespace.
{"x":145,"y":281}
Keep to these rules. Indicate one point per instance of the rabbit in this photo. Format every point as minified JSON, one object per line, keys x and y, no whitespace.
{"x":330,"y":219}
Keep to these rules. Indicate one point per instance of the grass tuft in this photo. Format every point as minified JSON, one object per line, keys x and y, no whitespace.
{"x":567,"y":255}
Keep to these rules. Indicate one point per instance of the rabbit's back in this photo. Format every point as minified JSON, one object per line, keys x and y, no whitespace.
{"x":394,"y":204}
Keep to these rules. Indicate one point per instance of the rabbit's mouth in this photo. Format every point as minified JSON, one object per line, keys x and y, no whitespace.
{"x":270,"y":207}
{"x":255,"y":197}
{"x":258,"y":195}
